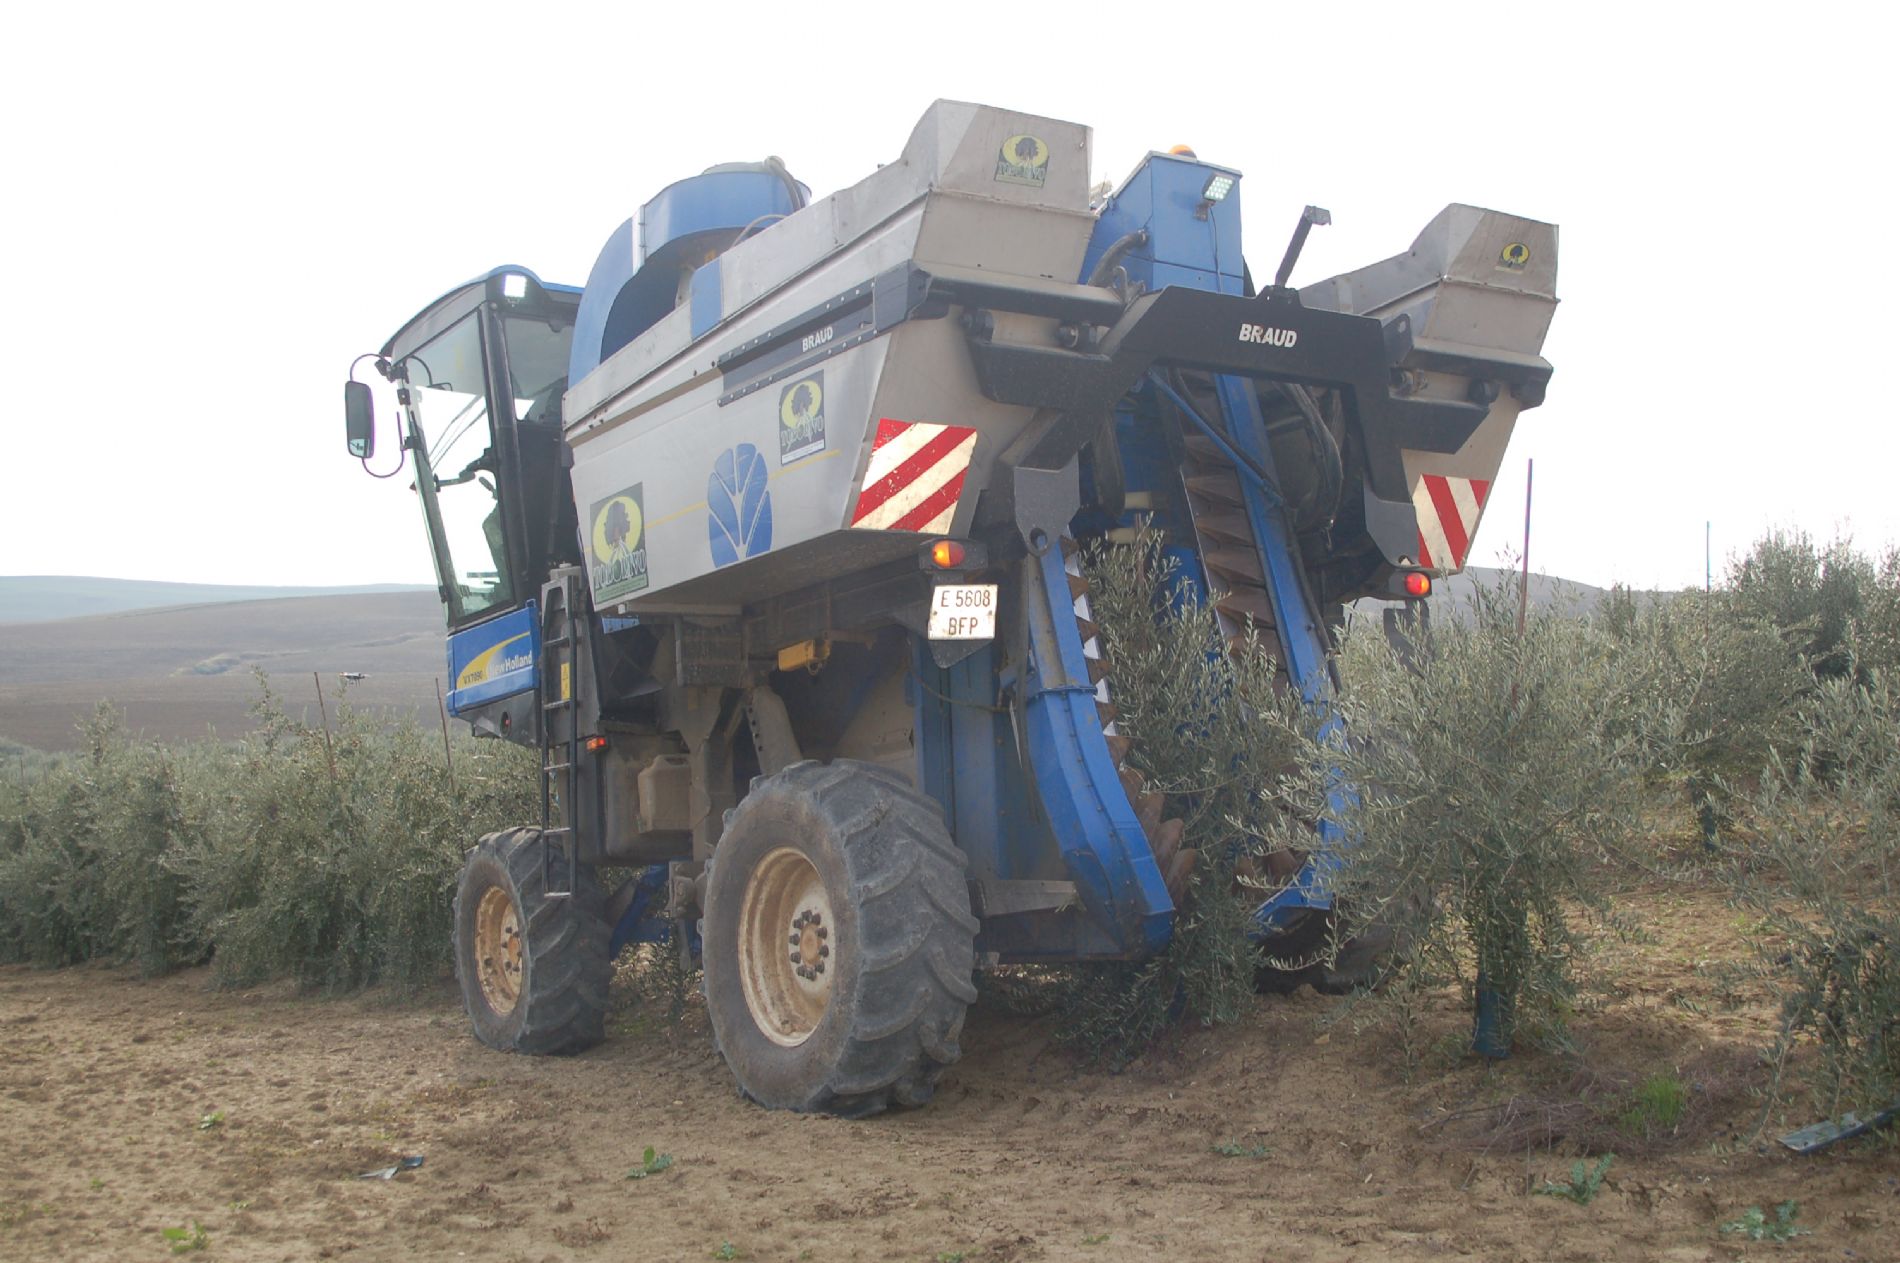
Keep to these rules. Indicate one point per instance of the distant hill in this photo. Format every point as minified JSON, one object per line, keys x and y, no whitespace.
{"x":40,"y":598}
{"x":1451,"y":597}
{"x":1545,"y":590}
{"x":184,"y":671}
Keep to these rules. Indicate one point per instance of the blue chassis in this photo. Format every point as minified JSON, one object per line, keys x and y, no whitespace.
{"x":1065,"y":814}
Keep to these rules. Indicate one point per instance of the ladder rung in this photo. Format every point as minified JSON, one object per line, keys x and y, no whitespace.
{"x":556,"y":830}
{"x":557,"y":894}
{"x":560,"y":704}
{"x":557,"y":641}
{"x":557,"y":767}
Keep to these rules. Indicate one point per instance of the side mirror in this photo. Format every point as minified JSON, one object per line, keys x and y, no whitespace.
{"x":359,"y":415}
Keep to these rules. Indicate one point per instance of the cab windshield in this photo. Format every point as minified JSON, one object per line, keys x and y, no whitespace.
{"x":459,"y":473}
{"x":537,"y":365}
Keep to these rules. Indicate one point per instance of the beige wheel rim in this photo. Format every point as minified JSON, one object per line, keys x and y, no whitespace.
{"x":498,"y":950}
{"x":787,"y":947}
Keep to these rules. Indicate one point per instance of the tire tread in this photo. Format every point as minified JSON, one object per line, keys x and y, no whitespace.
{"x":909,"y":1009}
{"x":564,"y":1004}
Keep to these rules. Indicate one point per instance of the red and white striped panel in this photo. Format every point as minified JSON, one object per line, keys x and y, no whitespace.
{"x":915,"y":476}
{"x":1448,"y":510}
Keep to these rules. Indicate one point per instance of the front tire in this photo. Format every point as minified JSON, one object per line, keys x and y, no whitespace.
{"x":838,"y":941}
{"x":533,"y":969}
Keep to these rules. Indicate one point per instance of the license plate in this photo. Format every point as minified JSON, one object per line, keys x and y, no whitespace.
{"x":963,"y":611}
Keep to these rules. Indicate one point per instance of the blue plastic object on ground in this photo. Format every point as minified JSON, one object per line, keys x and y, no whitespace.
{"x":1818,"y":1136}
{"x":1487,"y":1031}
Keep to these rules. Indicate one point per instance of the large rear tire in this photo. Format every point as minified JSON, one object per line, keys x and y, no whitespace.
{"x":838,"y":941}
{"x":533,"y":969}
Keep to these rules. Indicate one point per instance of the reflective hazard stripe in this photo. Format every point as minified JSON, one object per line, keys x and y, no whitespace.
{"x":1448,"y":510}
{"x":915,"y":476}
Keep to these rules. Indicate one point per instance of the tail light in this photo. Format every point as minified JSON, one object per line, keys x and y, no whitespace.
{"x":954,"y":554}
{"x":1408,"y":585}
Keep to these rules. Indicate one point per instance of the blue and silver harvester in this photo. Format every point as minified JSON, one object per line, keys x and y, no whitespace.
{"x":768,"y":540}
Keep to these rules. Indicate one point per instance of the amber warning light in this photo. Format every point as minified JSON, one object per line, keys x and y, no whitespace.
{"x":953,"y":554}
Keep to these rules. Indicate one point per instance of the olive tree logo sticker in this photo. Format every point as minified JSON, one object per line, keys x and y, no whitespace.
{"x":1023,"y":160}
{"x":618,"y":544}
{"x":738,"y":507}
{"x":801,"y":419}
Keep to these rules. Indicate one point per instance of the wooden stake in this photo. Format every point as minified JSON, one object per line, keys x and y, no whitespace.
{"x":1524,"y":577}
{"x":442,"y":710}
{"x":329,"y":750}
{"x":1524,"y":583}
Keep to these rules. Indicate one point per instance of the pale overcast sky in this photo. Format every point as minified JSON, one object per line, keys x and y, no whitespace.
{"x":214,"y":209}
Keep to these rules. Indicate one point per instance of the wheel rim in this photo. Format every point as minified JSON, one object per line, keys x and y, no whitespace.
{"x":787,"y":947}
{"x":498,"y":950}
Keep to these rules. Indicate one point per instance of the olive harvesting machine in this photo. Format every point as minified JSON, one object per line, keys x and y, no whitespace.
{"x":767,"y":538}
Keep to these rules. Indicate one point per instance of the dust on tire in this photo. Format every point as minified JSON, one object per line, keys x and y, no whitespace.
{"x":903,"y":946}
{"x":561,"y":1005}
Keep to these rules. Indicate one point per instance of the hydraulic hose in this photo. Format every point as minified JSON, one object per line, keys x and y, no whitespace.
{"x":1325,"y":447}
{"x":1241,"y":462}
{"x":778,"y":168}
{"x":1112,"y":257}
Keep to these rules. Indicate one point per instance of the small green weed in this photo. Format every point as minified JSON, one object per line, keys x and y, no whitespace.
{"x":240,"y":1205}
{"x":14,"y":1213}
{"x":1657,"y":1106}
{"x":1584,"y":1181}
{"x":652,"y":1163}
{"x":1756,"y":1226}
{"x":209,"y":1121}
{"x":949,"y":1256}
{"x":186,"y":1240}
{"x":1098,"y":1239}
{"x":1234,"y":1149}
{"x":727,"y":1250}
{"x":95,"y":1184}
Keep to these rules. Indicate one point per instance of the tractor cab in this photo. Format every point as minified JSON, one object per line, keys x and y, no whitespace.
{"x":479,"y":376}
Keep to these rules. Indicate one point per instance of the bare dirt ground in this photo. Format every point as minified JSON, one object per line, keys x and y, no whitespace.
{"x":110,"y":1085}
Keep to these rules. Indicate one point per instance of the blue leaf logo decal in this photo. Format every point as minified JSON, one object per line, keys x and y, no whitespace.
{"x":738,"y":507}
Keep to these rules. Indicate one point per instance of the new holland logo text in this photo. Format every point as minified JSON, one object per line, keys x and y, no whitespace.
{"x":1267,"y":335}
{"x":617,"y":544}
{"x":495,"y":662}
{"x":1023,"y":160}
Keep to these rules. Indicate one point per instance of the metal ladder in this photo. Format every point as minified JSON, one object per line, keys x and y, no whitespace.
{"x":559,"y":753}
